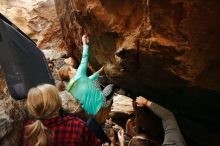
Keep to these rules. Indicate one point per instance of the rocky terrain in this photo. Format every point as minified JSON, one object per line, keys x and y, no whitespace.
{"x":38,"y":19}
{"x":165,"y":50}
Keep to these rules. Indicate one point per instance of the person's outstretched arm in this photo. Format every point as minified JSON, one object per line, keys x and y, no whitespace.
{"x":96,"y":74}
{"x":82,"y":69}
{"x":172,"y":132}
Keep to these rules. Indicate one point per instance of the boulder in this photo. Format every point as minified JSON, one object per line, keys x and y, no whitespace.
{"x":38,"y":19}
{"x":53,"y":54}
{"x":121,"y":108}
{"x":69,"y":103}
{"x":122,"y":104}
{"x":164,"y":50}
{"x":12,"y":116}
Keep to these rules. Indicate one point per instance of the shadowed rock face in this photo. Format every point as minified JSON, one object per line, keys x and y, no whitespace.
{"x":167,"y":50}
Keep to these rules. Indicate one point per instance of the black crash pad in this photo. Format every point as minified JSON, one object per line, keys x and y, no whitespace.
{"x":24,"y":65}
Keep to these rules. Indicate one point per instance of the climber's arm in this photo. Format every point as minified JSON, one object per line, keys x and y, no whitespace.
{"x":96,"y":74}
{"x":82,"y":69}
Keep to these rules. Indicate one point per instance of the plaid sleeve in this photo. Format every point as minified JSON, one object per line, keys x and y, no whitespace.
{"x":90,"y":138}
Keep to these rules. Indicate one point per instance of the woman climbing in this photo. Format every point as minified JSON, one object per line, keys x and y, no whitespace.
{"x":83,"y":88}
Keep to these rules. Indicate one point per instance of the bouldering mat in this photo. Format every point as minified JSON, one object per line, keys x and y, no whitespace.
{"x":24,"y":65}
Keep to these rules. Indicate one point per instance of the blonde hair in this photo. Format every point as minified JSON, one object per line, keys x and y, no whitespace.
{"x":64,"y":77}
{"x":43,"y":102}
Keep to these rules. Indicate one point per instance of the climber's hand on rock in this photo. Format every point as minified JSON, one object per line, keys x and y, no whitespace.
{"x":101,"y":69}
{"x":85,"y":39}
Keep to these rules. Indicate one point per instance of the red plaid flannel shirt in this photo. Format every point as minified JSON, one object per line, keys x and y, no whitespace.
{"x":70,"y":131}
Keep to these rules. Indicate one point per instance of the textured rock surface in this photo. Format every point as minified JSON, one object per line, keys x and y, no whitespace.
{"x":12,"y":115}
{"x":167,"y":50}
{"x":122,"y":104}
{"x":70,"y":103}
{"x":52,"y":54}
{"x":121,"y":108}
{"x":169,"y":46}
{"x":37,"y":18}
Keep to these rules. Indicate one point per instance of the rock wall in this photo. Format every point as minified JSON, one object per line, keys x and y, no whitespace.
{"x":12,"y":116}
{"x":167,"y":50}
{"x":38,"y":19}
{"x":168,"y":43}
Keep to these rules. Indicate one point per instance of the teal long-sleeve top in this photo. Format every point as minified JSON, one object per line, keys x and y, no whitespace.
{"x":82,"y":87}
